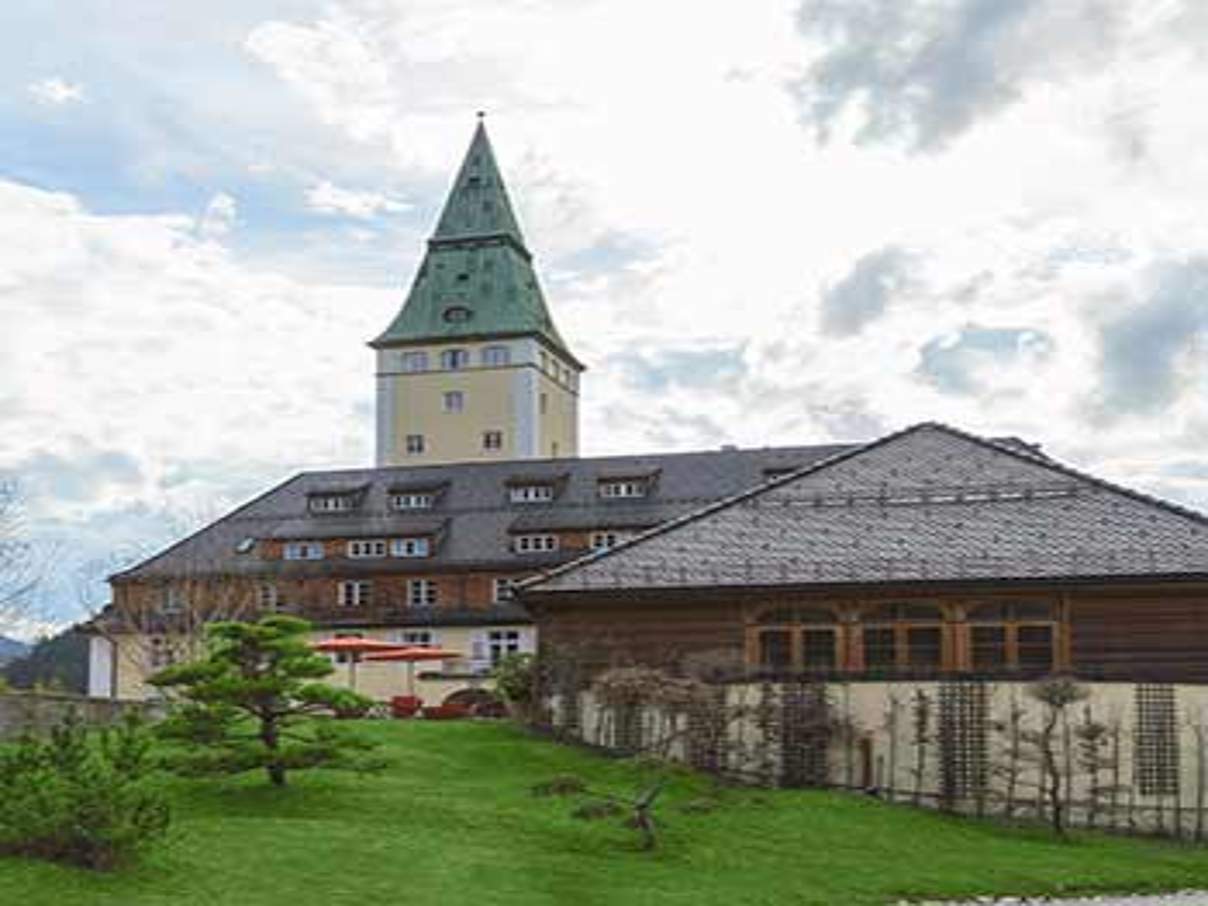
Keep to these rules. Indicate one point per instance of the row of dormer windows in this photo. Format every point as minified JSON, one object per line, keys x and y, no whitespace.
{"x":361,"y":548}
{"x":419,"y":547}
{"x":531,"y":492}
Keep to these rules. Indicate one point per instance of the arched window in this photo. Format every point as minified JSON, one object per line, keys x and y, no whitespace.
{"x":797,"y":638}
{"x":1012,"y":635}
{"x":902,"y":636}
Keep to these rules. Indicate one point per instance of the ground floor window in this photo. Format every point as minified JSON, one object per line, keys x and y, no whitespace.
{"x":501,"y":643}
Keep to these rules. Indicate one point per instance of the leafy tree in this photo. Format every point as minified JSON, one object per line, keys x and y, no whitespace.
{"x":516,"y":680}
{"x":83,"y":796}
{"x":253,"y":702}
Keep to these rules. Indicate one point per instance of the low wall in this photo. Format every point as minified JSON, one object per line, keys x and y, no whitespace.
{"x":1131,"y":757}
{"x":40,"y":711}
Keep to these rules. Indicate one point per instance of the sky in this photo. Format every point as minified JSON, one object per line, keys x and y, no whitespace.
{"x":759,"y":223}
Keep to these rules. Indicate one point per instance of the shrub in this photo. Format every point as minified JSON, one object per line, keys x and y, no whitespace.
{"x":516,"y":681}
{"x":80,"y":797}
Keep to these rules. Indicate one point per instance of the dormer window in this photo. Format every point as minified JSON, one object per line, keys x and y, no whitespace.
{"x":338,"y":504}
{"x":410,"y":547}
{"x":423,"y":501}
{"x":367,"y":548}
{"x":458,"y":314}
{"x":303,"y":550}
{"x":602,"y":541}
{"x":628,"y":487}
{"x":534,"y":544}
{"x":531,"y":493}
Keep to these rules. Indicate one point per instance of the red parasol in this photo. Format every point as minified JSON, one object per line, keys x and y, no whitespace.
{"x":354,"y":647}
{"x":410,"y":656}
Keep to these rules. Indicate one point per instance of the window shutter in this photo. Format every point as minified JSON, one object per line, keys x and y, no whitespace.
{"x":480,"y":657}
{"x":528,"y":641}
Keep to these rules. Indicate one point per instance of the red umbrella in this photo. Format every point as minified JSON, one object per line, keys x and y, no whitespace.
{"x":410,"y":656}
{"x":354,"y":647}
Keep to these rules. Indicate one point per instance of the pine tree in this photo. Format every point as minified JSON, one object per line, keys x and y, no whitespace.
{"x":254,"y":702}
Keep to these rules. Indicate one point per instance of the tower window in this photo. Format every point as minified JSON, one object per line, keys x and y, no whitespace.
{"x":415,"y":361}
{"x":453,"y":401}
{"x":415,"y":444}
{"x":496,"y":355}
{"x":453,"y":359}
{"x":543,"y":403}
{"x":492,"y":440}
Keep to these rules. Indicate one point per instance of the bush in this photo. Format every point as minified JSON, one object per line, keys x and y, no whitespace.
{"x":80,"y":797}
{"x":516,"y":680}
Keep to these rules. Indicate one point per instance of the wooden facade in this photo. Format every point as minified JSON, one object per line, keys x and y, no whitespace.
{"x":1112,"y":630}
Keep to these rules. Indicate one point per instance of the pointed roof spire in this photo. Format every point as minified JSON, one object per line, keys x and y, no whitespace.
{"x":478,"y":204}
{"x":477,"y":279}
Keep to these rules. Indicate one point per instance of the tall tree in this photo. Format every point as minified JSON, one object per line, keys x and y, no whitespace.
{"x":251,"y":703}
{"x":19,"y":566}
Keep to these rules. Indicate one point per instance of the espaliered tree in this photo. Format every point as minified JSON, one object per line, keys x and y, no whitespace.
{"x":253,"y":702}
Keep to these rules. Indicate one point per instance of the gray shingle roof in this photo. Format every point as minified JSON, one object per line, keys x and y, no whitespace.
{"x":473,"y":515}
{"x":926,"y":504}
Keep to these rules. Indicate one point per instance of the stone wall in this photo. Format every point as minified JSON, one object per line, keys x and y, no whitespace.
{"x":1133,"y":757}
{"x":42,"y":710}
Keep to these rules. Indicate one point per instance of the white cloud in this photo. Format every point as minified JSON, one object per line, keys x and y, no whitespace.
{"x":56,"y":92}
{"x":220,"y":216}
{"x":331,"y":199}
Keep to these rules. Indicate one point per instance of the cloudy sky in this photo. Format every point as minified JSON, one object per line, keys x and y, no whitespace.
{"x":758,"y":223}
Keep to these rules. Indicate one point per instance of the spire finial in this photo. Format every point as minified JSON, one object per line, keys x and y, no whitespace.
{"x":482,"y":115}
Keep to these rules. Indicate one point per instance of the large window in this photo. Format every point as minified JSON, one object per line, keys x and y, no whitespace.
{"x":917,"y":638}
{"x":1012,"y":635}
{"x":798,"y":638}
{"x":902,"y":637}
{"x":303,"y":550}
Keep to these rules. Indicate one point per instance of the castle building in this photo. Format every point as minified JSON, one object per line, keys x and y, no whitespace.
{"x":473,"y":368}
{"x":477,"y":485}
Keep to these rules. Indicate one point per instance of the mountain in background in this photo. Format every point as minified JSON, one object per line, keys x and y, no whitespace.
{"x":11,"y":649}
{"x":59,"y":662}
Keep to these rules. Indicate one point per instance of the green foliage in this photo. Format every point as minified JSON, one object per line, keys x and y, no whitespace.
{"x":80,"y":797}
{"x":248,"y":705}
{"x":516,"y":680}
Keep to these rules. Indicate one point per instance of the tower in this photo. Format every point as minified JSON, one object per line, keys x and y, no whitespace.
{"x":472,"y":366}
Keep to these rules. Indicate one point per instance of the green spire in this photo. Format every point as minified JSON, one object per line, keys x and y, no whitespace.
{"x":478,"y":203}
{"x":477,"y":279}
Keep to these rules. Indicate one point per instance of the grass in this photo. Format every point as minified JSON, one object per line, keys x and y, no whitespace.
{"x":453,"y":822}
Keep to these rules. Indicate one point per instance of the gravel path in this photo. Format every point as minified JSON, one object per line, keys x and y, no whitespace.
{"x":1185,"y":898}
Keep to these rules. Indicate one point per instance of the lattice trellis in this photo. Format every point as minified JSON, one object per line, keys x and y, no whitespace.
{"x":962,"y":733}
{"x":806,"y":727}
{"x":1156,"y":741}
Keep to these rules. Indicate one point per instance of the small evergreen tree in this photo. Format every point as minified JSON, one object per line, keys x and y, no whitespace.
{"x":253,"y":702}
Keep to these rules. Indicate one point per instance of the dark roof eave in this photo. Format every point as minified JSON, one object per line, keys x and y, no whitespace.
{"x":527,"y":593}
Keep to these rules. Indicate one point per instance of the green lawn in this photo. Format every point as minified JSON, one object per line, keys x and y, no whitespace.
{"x":452,"y":822}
